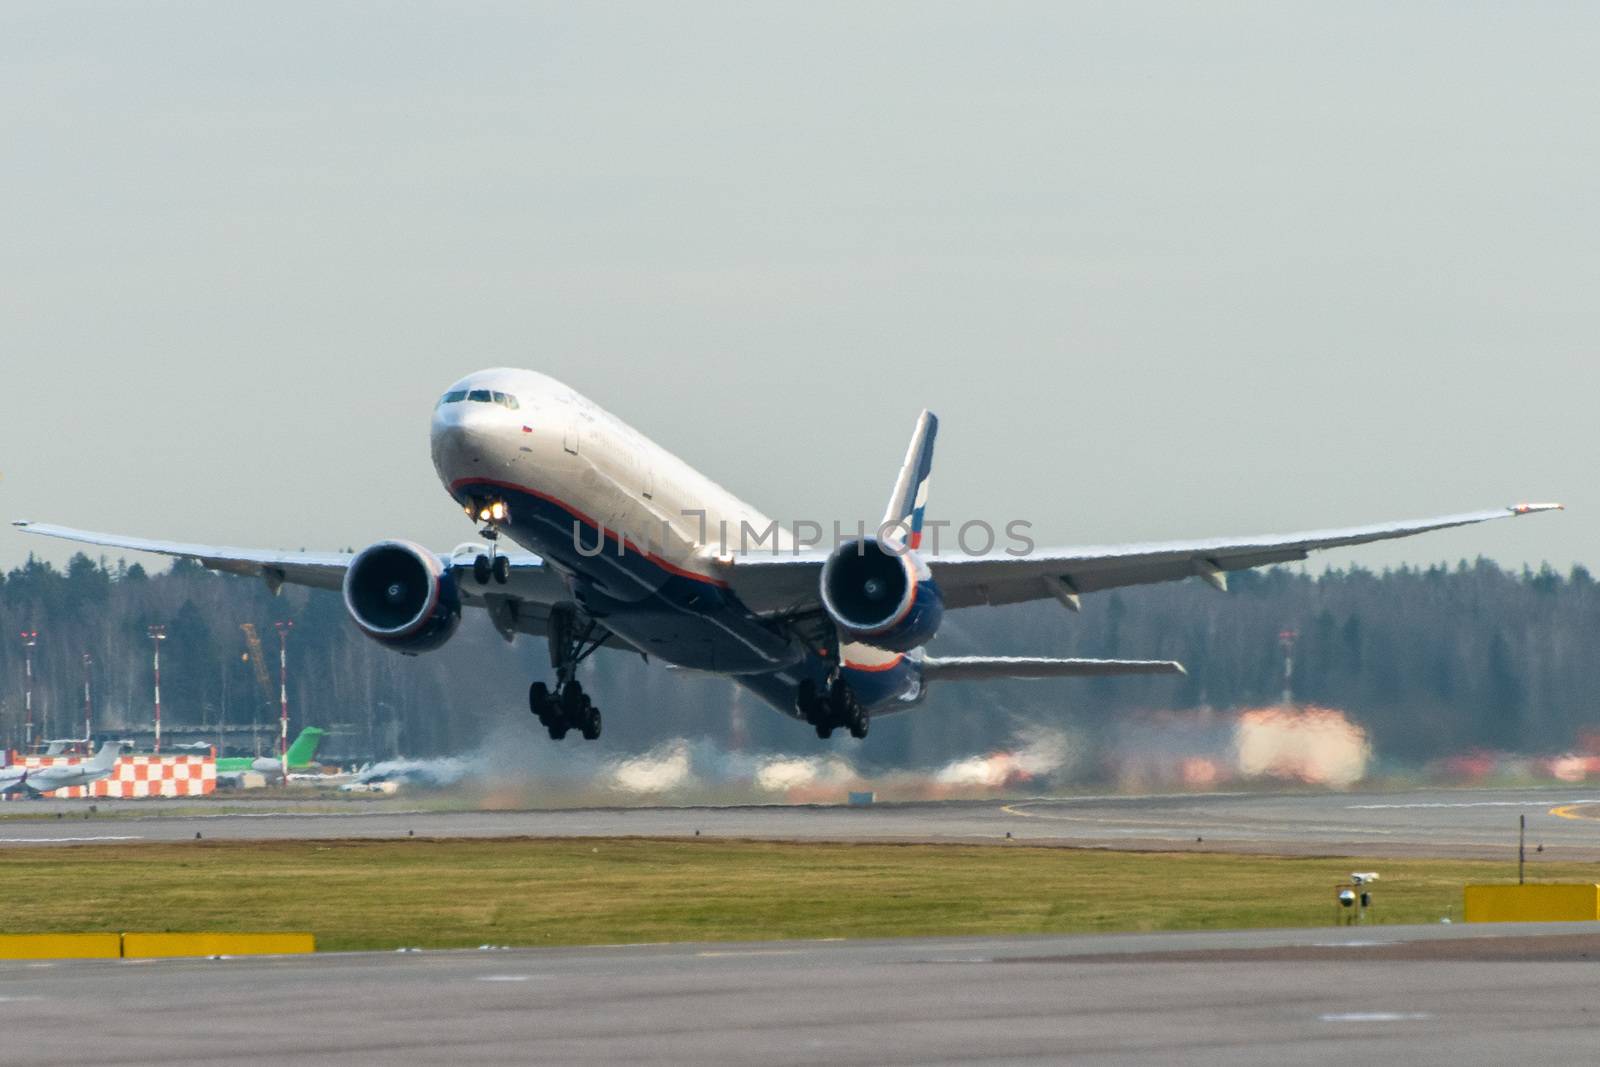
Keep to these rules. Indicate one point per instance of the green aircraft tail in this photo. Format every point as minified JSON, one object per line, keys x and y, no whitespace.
{"x":304,"y":747}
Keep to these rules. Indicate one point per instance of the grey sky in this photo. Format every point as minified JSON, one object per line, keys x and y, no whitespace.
{"x":1163,"y":270}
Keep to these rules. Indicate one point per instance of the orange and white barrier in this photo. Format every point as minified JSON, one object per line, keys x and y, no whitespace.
{"x":138,"y":776}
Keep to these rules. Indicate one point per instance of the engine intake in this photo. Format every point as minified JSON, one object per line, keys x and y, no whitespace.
{"x":881,"y":597}
{"x":401,"y":596}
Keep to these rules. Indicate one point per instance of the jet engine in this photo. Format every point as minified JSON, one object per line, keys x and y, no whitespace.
{"x":402,"y":596}
{"x":881,"y":595}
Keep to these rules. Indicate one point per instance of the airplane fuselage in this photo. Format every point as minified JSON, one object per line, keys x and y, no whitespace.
{"x":40,"y":780}
{"x":636,"y":535}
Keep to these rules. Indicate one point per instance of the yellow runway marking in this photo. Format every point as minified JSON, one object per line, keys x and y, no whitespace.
{"x":1571,"y":811}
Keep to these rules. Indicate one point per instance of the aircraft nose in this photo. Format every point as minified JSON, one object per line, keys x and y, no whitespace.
{"x":460,"y":436}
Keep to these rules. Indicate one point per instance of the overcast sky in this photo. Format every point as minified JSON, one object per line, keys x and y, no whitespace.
{"x":1162,"y":270}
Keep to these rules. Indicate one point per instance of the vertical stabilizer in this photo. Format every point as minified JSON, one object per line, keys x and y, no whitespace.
{"x":910,"y":497}
{"x":305,"y":746}
{"x":106,"y":758}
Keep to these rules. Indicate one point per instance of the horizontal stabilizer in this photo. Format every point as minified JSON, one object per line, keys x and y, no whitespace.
{"x":971,"y":668}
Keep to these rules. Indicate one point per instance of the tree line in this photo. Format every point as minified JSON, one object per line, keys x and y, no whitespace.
{"x":1430,"y":661}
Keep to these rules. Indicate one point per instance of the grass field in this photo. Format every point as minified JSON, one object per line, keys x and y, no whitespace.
{"x":448,"y":893}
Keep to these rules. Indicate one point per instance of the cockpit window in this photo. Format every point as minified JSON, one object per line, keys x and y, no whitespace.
{"x":480,"y":396}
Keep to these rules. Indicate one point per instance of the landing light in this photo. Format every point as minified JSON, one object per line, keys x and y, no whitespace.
{"x":497,"y":510}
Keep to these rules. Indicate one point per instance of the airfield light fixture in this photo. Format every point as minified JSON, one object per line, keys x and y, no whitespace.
{"x":88,"y":704}
{"x":30,"y":638}
{"x":1356,"y":892}
{"x":283,"y":629}
{"x":158,"y":634}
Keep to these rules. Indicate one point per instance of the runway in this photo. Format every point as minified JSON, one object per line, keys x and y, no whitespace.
{"x":1418,"y":995}
{"x":1467,"y":823}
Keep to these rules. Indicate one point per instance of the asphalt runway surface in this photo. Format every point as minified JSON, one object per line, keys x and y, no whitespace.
{"x":1467,"y":823}
{"x":1416,"y":995}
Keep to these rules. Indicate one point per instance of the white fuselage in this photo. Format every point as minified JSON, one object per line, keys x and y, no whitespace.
{"x":563,"y":446}
{"x":46,"y":779}
{"x":562,"y":465}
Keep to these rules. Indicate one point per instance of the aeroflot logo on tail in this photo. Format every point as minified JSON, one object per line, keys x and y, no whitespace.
{"x":973,"y":538}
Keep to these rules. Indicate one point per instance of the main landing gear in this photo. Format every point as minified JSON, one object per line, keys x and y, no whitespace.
{"x":568,"y":707}
{"x":834,"y":707}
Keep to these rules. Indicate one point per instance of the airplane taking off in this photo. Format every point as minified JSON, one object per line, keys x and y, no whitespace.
{"x":830,"y":635}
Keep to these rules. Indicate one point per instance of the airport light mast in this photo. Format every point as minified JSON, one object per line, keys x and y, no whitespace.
{"x":1287,"y":638}
{"x":158,"y":634}
{"x":29,"y":639}
{"x":283,"y":629}
{"x":88,"y":705}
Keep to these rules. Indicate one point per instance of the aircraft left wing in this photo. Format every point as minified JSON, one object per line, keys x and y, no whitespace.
{"x":782,"y":585}
{"x":520,"y":606}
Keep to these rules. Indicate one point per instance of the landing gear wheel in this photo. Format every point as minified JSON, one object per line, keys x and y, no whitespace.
{"x":481,"y":569}
{"x":840,"y":703}
{"x":858,"y":723}
{"x":567,"y":707}
{"x":824,"y":731}
{"x":539,"y":700}
{"x":501,"y":569}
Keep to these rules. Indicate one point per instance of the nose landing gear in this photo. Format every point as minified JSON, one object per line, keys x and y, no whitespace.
{"x":494,"y":565}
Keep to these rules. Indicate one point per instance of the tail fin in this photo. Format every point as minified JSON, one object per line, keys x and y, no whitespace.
{"x":305,"y":746}
{"x":106,"y":758}
{"x":910,"y":496}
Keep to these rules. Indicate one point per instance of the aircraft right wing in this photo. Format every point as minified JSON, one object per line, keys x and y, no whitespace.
{"x":522,"y":605}
{"x":323,"y":570}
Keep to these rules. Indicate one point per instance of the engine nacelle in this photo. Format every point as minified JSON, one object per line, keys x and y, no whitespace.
{"x":881,"y":595}
{"x":402,"y":596}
